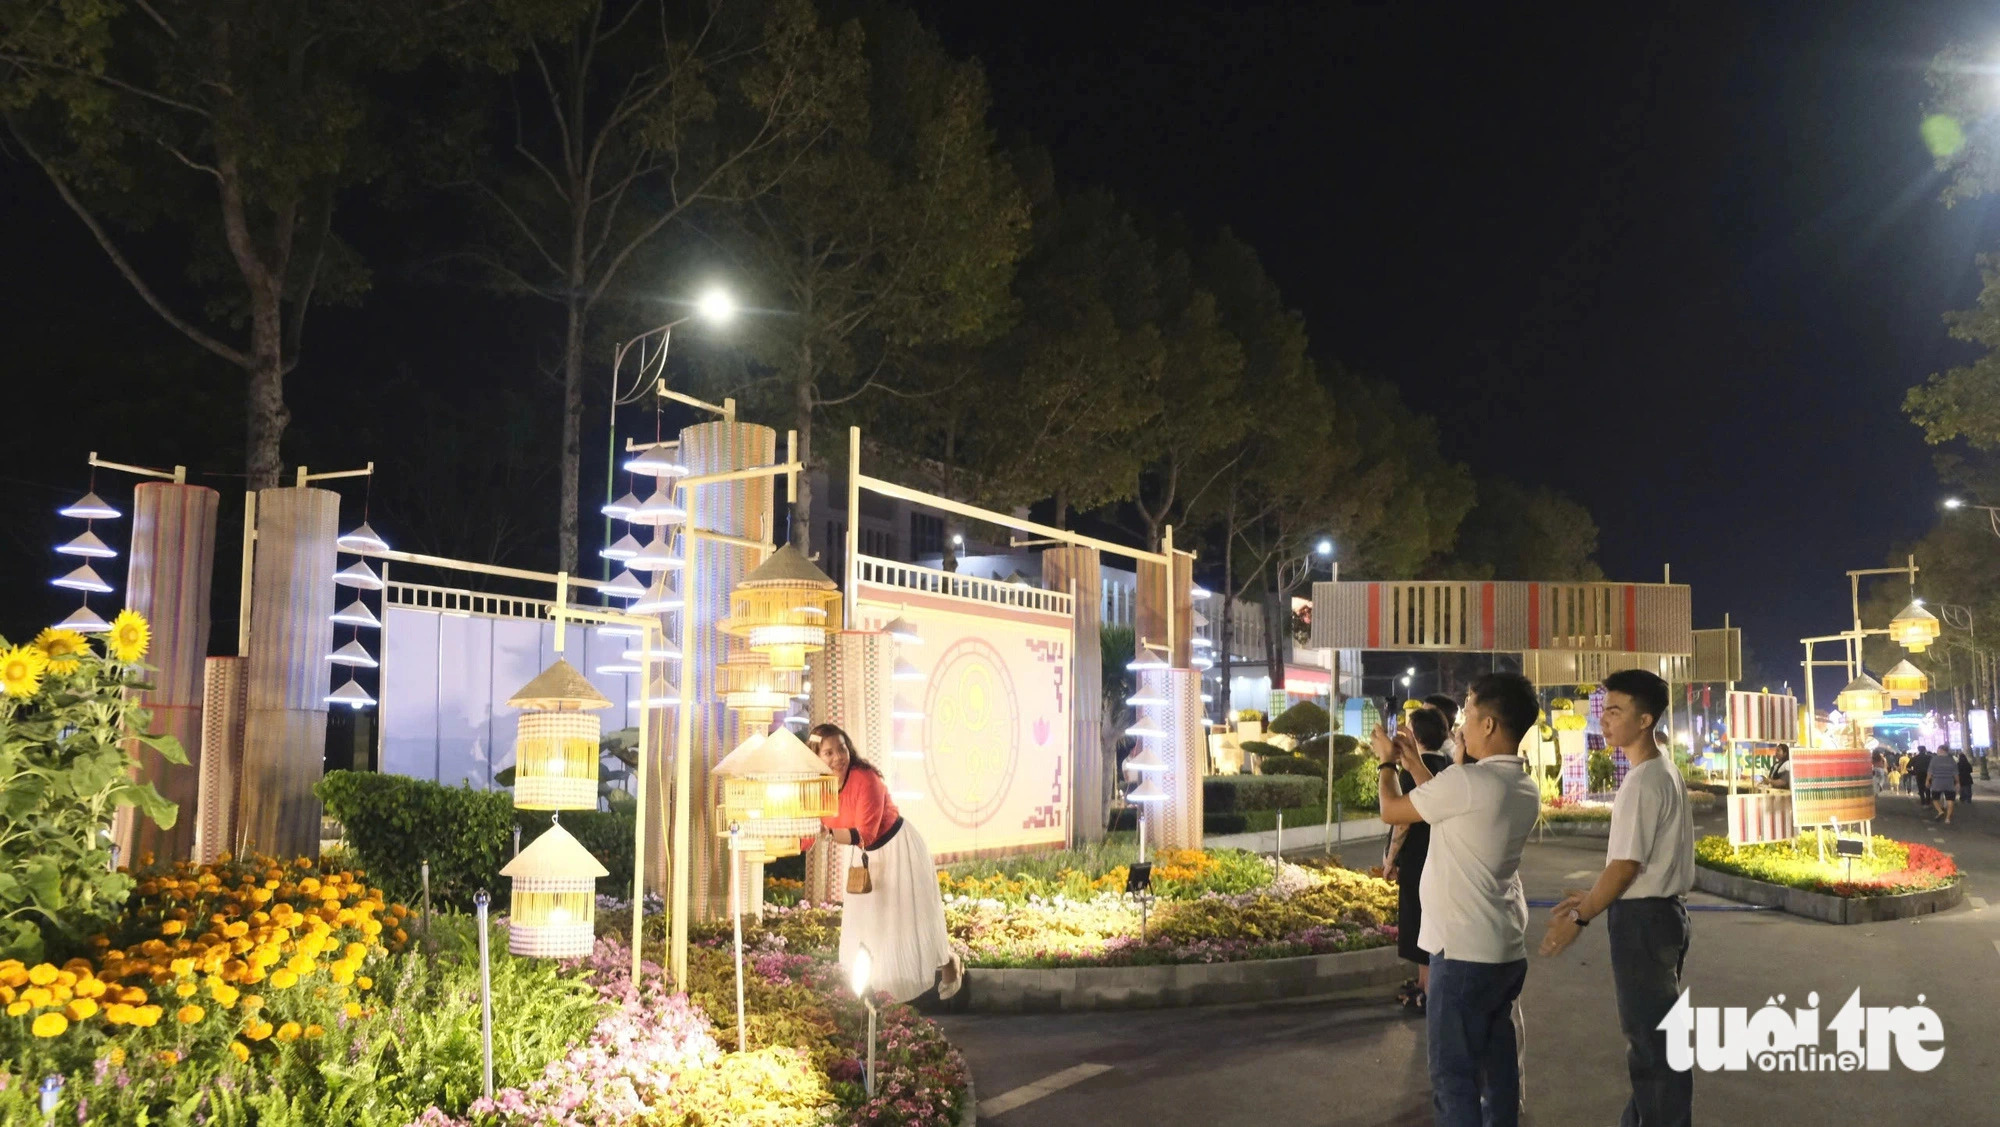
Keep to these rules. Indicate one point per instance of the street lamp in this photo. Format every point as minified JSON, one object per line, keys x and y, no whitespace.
{"x":1992,"y":511}
{"x":714,"y":306}
{"x":1325,"y":548}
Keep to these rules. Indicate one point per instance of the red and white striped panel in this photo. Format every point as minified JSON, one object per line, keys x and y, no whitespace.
{"x":1771,"y":718}
{"x":1758,"y":818}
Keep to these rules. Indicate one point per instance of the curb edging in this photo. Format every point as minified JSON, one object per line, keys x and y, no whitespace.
{"x":1829,"y":909}
{"x":1075,"y":989}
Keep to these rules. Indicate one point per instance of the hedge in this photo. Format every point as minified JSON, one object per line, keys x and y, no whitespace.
{"x":393,"y":824}
{"x":1291,"y":765}
{"x":1227,"y":793}
{"x":1126,"y":818}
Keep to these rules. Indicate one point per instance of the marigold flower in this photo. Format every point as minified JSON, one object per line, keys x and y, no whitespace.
{"x":256,"y":1029}
{"x":181,"y":967}
{"x":288,"y":1031}
{"x":284,"y":979}
{"x":116,"y":1056}
{"x":16,"y":1009}
{"x":37,"y":996}
{"x":224,"y":994}
{"x":185,"y":989}
{"x":241,"y":1050}
{"x":146,"y":1016}
{"x":169,"y":1057}
{"x":42,"y":974}
{"x":83,"y":1009}
{"x":353,"y":1010}
{"x":172,"y":927}
{"x":314,"y":1032}
{"x":51,"y":1025}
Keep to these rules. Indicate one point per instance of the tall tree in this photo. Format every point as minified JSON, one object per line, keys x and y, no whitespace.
{"x":624,"y":119}
{"x":895,"y":232}
{"x":1514,"y":532}
{"x":234,"y":126}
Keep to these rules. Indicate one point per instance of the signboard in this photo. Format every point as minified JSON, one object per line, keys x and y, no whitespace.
{"x":985,"y":769}
{"x":1982,"y":729}
{"x":1763,"y":718}
{"x":1758,"y":818}
{"x":1831,"y":785}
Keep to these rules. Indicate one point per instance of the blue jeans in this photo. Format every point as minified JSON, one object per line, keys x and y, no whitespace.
{"x":1649,"y":945}
{"x":1475,"y":1073}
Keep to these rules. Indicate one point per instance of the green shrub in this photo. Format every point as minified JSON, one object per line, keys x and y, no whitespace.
{"x":1291,"y":765}
{"x":1224,"y":822}
{"x":1230,"y":793}
{"x":393,"y":824}
{"x":1315,"y":748}
{"x":1602,"y":772}
{"x":1262,"y":750}
{"x":1302,"y":721}
{"x":1359,"y":786}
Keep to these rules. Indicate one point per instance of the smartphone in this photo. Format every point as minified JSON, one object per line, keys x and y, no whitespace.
{"x":1395,"y":714}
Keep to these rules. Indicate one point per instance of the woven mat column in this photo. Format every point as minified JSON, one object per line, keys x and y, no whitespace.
{"x":171,"y":571}
{"x":1077,"y":571}
{"x":221,"y":757}
{"x":1175,"y":823}
{"x":851,"y":687}
{"x":291,"y":633}
{"x":737,"y":508}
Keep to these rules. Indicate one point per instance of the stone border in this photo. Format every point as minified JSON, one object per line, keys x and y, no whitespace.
{"x":1069,"y":989}
{"x":1590,"y":828}
{"x":1830,"y":909}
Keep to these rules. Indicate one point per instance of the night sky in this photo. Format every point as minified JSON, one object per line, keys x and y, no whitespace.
{"x":1681,"y":263}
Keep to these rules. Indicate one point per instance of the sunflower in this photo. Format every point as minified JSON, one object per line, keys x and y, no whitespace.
{"x":63,"y":648}
{"x":21,"y":670}
{"x":129,"y":636}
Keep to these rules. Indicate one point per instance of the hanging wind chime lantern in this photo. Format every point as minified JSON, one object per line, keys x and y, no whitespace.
{"x":784,"y":609}
{"x":1905,"y":683}
{"x":1915,"y":628}
{"x":556,"y":746}
{"x":1864,"y":699}
{"x":751,"y":688}
{"x":775,"y":791}
{"x":554,"y":905}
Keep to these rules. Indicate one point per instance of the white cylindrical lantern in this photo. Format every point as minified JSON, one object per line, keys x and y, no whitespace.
{"x":556,"y":746}
{"x":554,"y":903}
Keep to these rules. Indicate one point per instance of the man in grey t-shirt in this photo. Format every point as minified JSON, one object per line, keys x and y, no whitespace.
{"x":1649,"y":868}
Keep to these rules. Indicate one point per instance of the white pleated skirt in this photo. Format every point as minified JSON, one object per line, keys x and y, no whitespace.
{"x":901,"y":922}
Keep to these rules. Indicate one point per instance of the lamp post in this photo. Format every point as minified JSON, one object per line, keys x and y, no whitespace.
{"x":714,"y":306}
{"x":1992,"y":511}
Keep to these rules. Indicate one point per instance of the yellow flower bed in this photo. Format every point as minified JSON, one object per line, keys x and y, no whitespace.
{"x":209,"y":947}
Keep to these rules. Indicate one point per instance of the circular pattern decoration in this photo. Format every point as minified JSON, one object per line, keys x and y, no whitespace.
{"x":972,"y":742}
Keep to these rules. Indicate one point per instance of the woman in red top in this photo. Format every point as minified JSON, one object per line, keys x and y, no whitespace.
{"x":901,"y":919}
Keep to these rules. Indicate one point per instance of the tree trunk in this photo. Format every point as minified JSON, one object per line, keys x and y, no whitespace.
{"x":1225,"y":631}
{"x":1275,"y":626}
{"x":267,"y":417}
{"x":572,"y":435}
{"x":802,"y":420}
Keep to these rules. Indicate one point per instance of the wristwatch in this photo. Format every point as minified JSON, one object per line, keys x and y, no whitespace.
{"x":1576,"y":917}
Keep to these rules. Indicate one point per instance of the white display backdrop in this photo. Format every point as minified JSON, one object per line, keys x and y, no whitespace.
{"x":995,"y":737}
{"x":446,"y":679}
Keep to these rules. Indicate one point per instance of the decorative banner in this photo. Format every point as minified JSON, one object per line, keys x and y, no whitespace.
{"x":1763,"y":718}
{"x":1575,"y":763}
{"x":1982,"y":729}
{"x":1758,"y":818}
{"x":995,"y":734}
{"x":1175,"y":823}
{"x":1832,"y":785}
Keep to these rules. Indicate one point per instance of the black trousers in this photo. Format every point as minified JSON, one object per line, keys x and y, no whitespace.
{"x":1649,"y":943}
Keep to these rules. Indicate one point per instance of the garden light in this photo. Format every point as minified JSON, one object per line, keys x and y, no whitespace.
{"x":362,"y":539}
{"x":557,"y":741}
{"x":91,"y":507}
{"x":554,"y":905}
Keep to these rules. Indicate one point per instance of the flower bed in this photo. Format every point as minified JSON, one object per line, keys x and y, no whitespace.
{"x":279,"y":994}
{"x":1894,"y":868}
{"x":1214,"y":906}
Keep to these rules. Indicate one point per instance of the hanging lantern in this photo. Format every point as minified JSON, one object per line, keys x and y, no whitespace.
{"x":775,"y":791}
{"x":554,"y":907}
{"x":1915,"y":628}
{"x":88,"y":546}
{"x":658,"y":510}
{"x":83,"y":579}
{"x":624,"y":548}
{"x":362,"y":539}
{"x":656,"y":556}
{"x":1147,"y":760}
{"x":656,"y":461}
{"x":92,"y":507}
{"x":1148,"y":790}
{"x":626,"y":586}
{"x":356,"y":613}
{"x":84,"y":621}
{"x":1863,"y":699}
{"x":1905,"y":683}
{"x":903,"y":631}
{"x":623,"y":507}
{"x":350,"y":694}
{"x":359,"y":576}
{"x":784,"y":608}
{"x":556,"y":746}
{"x":751,"y":688}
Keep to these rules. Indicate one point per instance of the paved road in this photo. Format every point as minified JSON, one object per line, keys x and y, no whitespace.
{"x":1360,"y":1061}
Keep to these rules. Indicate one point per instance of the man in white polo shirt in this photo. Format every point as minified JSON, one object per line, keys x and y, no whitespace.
{"x":1642,"y":892}
{"x":1475,"y":914}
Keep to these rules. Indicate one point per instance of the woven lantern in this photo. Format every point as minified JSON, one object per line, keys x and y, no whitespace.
{"x":1905,"y":683}
{"x":754,"y":690}
{"x":1915,"y":628}
{"x":784,"y":609}
{"x":775,"y":791}
{"x":556,"y":745}
{"x":1864,"y":698}
{"x":555,"y":897}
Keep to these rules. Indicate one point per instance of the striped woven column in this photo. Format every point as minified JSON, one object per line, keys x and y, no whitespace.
{"x":851,"y":687}
{"x":735,"y":508}
{"x":1176,"y":823}
{"x":221,"y":758}
{"x":1076,"y":570}
{"x":171,"y":570}
{"x":291,"y":633}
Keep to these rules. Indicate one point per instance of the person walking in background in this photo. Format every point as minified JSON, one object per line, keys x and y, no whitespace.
{"x":1920,"y":766}
{"x":1943,"y":783}
{"x":1649,"y":868}
{"x":1475,"y":914}
{"x":1879,"y":762}
{"x":1964,"y":778}
{"x":1903,"y":772}
{"x":1407,"y":854}
{"x":900,"y":919}
{"x":1780,"y":774}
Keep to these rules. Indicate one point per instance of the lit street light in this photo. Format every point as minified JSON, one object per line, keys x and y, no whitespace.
{"x":1992,"y":511}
